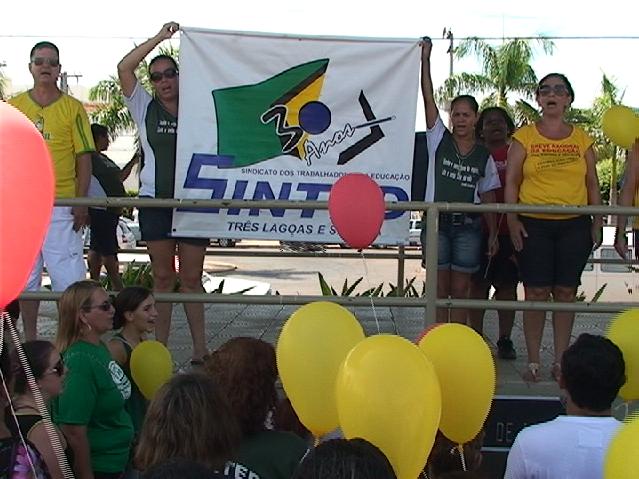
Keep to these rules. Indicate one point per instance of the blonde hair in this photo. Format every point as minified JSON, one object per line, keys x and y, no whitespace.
{"x":188,"y":418}
{"x":73,"y":300}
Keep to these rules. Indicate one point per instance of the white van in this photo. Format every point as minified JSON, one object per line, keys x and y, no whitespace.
{"x":622,"y":281}
{"x":414,"y":230}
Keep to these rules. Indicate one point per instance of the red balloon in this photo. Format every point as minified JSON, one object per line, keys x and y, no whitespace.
{"x":356,"y":207}
{"x":26,"y":199}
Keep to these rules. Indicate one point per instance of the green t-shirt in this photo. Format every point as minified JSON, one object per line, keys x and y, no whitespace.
{"x":95,"y":390}
{"x":272,"y":454}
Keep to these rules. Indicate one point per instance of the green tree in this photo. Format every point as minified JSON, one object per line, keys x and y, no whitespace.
{"x":112,"y":111}
{"x":505,"y":72}
{"x":2,"y":80}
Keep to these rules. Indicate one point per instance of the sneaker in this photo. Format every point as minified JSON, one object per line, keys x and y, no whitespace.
{"x":505,"y":349}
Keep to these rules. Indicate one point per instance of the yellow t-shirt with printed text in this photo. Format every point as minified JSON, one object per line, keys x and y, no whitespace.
{"x":554,"y":171}
{"x":64,"y":124}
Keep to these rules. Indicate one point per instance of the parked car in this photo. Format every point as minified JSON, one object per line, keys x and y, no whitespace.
{"x":126,"y":237}
{"x":414,"y":231}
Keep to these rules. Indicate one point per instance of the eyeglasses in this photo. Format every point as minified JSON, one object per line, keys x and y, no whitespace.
{"x":168,"y":73}
{"x":39,"y":61}
{"x":559,"y":90}
{"x":58,"y":369}
{"x":105,"y":306}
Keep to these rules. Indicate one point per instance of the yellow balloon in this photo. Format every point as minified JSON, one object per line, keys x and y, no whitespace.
{"x":622,"y":460}
{"x":619,"y":124}
{"x":151,"y":367}
{"x":466,"y":372}
{"x":388,"y":394}
{"x":312,"y":345}
{"x":624,"y":332}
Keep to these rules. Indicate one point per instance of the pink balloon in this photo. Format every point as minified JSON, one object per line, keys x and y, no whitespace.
{"x":26,"y":199}
{"x":356,"y":207}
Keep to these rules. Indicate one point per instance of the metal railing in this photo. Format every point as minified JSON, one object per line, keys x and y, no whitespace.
{"x":431,"y":218}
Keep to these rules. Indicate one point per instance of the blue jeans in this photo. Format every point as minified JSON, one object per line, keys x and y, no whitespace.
{"x":458,"y":245}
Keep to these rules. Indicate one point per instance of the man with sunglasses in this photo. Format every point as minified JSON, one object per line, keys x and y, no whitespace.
{"x":64,"y":125}
{"x":156,"y":119}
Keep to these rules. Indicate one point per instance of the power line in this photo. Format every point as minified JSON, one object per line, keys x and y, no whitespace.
{"x":529,"y":37}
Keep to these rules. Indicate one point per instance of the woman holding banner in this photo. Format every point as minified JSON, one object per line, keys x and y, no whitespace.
{"x":459,"y":170}
{"x":156,"y":118}
{"x":551,"y":162}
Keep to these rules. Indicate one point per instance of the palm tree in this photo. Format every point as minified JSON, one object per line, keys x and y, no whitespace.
{"x":112,"y":111}
{"x":610,"y":95}
{"x":505,"y":71}
{"x":2,"y":79}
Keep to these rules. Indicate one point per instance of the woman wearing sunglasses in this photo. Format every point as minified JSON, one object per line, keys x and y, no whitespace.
{"x":156,"y":118}
{"x":48,"y":371}
{"x":90,"y":409}
{"x":552,"y":162}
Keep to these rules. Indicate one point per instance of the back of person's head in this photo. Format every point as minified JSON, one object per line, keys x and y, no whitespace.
{"x":445,"y":455}
{"x":345,"y":459}
{"x":37,"y":354}
{"x":76,"y":297}
{"x":246,"y":370}
{"x":128,"y":300}
{"x":178,"y":468}
{"x":593,"y":371}
{"x":188,"y":418}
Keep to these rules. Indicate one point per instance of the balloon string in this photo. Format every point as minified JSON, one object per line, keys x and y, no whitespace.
{"x":370,"y":288}
{"x":460,"y":448}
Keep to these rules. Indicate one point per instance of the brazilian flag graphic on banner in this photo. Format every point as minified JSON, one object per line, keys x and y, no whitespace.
{"x":262,"y":121}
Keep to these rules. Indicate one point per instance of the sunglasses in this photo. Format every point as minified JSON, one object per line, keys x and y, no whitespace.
{"x":559,"y":90}
{"x":168,"y":73}
{"x":39,"y":61}
{"x":58,"y":369}
{"x":105,"y":306}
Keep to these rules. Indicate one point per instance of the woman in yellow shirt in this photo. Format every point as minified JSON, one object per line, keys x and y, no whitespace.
{"x":552,"y":162}
{"x":629,"y":195}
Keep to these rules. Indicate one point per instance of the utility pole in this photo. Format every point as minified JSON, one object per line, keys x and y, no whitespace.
{"x":448,"y":35}
{"x":64,"y":80}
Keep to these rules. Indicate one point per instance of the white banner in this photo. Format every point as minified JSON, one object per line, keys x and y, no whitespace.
{"x":279,"y":117}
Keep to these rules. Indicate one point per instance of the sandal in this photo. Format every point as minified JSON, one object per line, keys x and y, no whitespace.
{"x":555,"y":371}
{"x":531,"y":375}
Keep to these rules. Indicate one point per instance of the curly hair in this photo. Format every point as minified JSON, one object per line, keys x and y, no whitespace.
{"x":188,"y":418}
{"x":245,"y":369}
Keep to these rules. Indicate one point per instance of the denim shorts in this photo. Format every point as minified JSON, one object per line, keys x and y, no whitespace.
{"x":157,"y":224}
{"x":458,"y":245}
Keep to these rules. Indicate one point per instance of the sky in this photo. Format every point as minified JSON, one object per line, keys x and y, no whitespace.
{"x":93,"y":36}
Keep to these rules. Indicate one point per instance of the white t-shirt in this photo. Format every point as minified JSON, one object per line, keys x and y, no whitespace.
{"x":568,"y":447}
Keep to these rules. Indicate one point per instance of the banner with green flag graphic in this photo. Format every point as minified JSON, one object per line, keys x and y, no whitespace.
{"x":267,"y":116}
